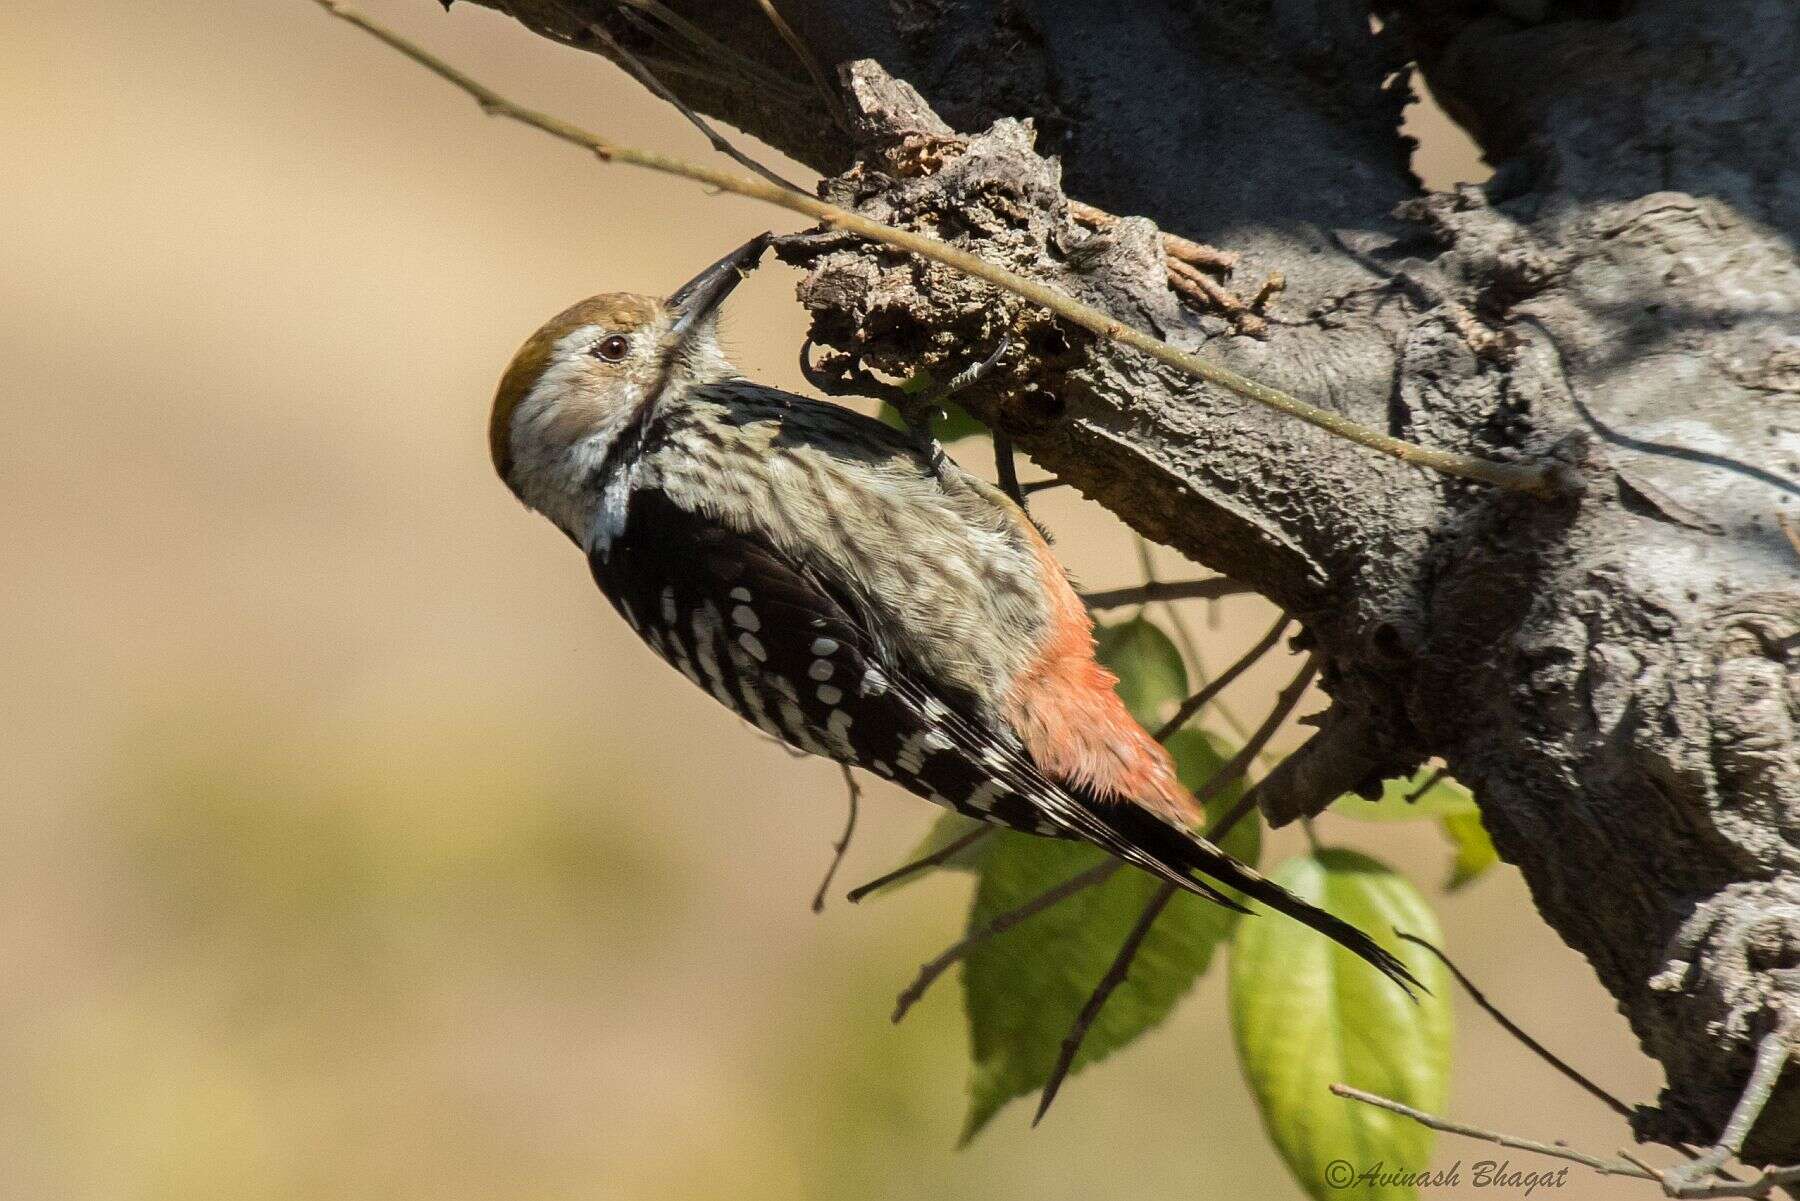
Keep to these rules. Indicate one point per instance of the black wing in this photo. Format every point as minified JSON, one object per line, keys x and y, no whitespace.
{"x":774,"y":641}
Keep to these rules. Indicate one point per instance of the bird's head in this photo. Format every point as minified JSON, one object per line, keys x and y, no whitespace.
{"x":581,"y":378}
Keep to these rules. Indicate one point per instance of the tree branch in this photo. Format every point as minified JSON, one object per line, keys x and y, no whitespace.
{"x":1543,"y":480}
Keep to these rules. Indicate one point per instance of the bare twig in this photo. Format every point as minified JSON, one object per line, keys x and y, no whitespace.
{"x":1424,"y":786}
{"x":1275,"y":283}
{"x":1211,"y":588}
{"x":833,"y":102}
{"x":1201,"y":699}
{"x":1184,"y":638}
{"x":1672,"y":1180}
{"x":842,"y":844}
{"x":1607,"y":1167}
{"x":1539,"y":479}
{"x":1772,"y":1054}
{"x":1763,"y":1184}
{"x":1511,"y":1027}
{"x":1174,"y":245}
{"x":667,"y":68}
{"x":1120,"y":969}
{"x":783,"y":745}
{"x":696,"y":67}
{"x":719,"y":142}
{"x":699,"y":39}
{"x":943,"y":854}
{"x":1000,"y":925}
{"x":1239,"y":763}
{"x":1245,"y":806}
{"x":1197,"y":284}
{"x":1103,"y":991}
{"x":1006,"y":470}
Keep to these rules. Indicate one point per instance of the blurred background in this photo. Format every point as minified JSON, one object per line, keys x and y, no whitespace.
{"x":349,"y":847}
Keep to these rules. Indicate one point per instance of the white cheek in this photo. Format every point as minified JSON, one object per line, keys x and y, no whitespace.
{"x":562,"y":432}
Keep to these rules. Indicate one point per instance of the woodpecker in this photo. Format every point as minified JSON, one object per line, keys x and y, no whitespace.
{"x":843,"y":587}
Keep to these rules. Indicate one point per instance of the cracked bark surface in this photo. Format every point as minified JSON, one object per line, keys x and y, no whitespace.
{"x":1616,"y":675}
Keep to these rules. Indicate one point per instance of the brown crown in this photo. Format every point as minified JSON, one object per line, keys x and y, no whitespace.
{"x":621,"y":311}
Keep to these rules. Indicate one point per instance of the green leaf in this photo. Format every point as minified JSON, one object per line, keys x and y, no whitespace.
{"x":956,"y":424}
{"x":1445,"y":798}
{"x":1308,"y":1014}
{"x":1152,"y":676}
{"x":1023,"y":990}
{"x":1475,"y":851}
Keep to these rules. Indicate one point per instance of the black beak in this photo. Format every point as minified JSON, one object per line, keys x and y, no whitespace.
{"x":700,"y":296}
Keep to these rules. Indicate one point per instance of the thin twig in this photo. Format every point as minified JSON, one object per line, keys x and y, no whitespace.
{"x":694,"y":64}
{"x":1210,"y":588}
{"x":719,"y":142}
{"x":1248,"y":659}
{"x":1275,"y":283}
{"x":1006,"y":470}
{"x":1196,"y":283}
{"x":803,"y":52}
{"x":1103,"y":991}
{"x":1120,"y":969}
{"x":1539,"y":479}
{"x":1772,"y":1054}
{"x":1174,"y":245}
{"x":1607,"y":1167}
{"x":1245,"y":806}
{"x":943,"y":854}
{"x":1146,"y":565}
{"x":1762,"y":1185}
{"x":1511,"y":1027}
{"x":842,"y":844}
{"x":1239,"y":763}
{"x":671,"y":68}
{"x":1426,"y":785}
{"x":1671,"y":1179}
{"x":1153,"y":591}
{"x":1000,"y":925}
{"x":745,"y":66}
{"x":1184,"y":638}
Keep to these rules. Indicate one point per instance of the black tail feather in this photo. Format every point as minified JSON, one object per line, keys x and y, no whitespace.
{"x":1173,"y":854}
{"x":1259,"y":887}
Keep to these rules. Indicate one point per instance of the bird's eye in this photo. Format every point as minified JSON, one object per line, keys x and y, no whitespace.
{"x":613,"y":348}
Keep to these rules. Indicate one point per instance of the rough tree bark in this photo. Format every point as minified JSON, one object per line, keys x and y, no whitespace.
{"x":1613,"y":674}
